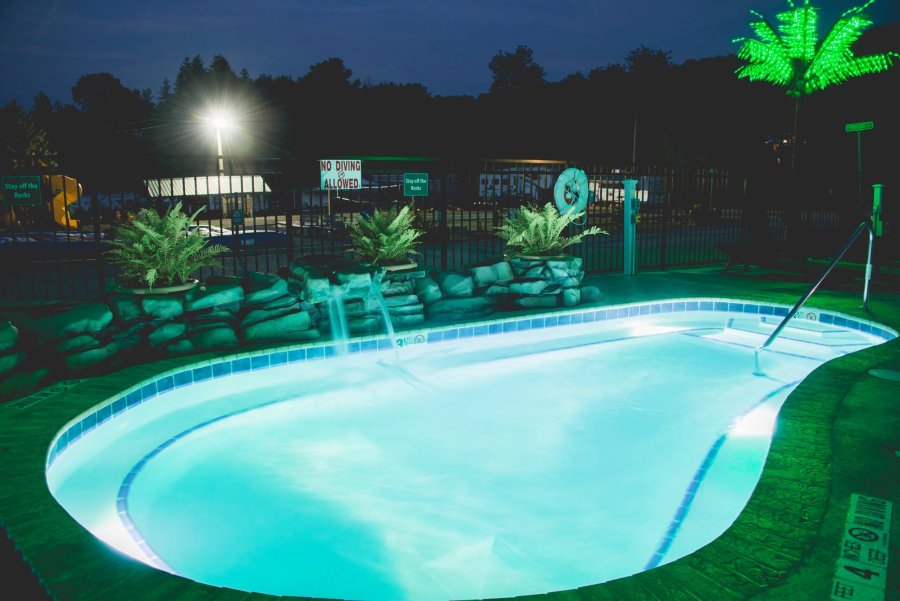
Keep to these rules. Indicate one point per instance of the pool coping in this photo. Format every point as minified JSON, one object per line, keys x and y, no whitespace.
{"x":747,"y":560}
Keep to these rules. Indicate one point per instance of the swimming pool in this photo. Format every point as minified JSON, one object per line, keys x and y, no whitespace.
{"x":503,"y":458}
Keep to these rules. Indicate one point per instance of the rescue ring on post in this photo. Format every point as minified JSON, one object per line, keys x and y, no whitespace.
{"x":571,"y":191}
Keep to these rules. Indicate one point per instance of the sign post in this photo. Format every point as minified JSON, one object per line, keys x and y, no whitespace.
{"x":859,"y":127}
{"x":340,"y":174}
{"x":21,"y":189}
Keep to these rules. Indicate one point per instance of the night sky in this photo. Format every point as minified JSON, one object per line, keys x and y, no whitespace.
{"x":445,"y":45}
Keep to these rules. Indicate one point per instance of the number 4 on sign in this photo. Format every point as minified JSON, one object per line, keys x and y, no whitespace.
{"x":860,"y":573}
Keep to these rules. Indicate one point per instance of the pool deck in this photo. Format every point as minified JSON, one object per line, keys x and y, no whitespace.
{"x":838,"y":433}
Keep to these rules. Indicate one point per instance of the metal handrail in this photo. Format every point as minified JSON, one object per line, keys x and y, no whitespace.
{"x":865,"y":225}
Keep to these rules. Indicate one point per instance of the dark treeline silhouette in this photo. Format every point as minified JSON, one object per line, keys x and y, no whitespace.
{"x":696,"y":114}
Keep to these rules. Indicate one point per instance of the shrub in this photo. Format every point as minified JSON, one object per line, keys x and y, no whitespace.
{"x":155,"y":248}
{"x":535,"y":231}
{"x":385,"y":238}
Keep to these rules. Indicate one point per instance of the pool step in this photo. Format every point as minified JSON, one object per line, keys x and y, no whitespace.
{"x":808,"y":332}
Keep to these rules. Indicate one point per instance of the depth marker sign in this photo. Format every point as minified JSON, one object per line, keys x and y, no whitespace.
{"x":340,"y":174}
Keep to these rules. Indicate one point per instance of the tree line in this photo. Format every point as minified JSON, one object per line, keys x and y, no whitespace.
{"x":646,"y":108}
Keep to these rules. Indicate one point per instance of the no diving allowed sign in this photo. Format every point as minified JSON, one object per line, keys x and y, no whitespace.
{"x":861,"y":572}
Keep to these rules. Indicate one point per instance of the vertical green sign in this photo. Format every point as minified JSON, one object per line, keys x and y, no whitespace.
{"x":21,"y":189}
{"x":415,"y":184}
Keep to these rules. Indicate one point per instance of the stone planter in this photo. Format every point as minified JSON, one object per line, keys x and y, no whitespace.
{"x":400,"y":267}
{"x":189,"y":285}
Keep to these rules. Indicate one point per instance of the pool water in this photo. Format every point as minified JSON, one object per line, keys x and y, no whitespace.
{"x":509,"y":465}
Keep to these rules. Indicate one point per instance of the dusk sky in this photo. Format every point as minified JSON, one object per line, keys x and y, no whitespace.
{"x":445,"y":45}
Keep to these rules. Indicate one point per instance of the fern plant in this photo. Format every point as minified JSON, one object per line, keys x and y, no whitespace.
{"x":158,"y":248}
{"x":385,"y":238}
{"x":535,"y":231}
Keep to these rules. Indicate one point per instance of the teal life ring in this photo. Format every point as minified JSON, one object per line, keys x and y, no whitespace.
{"x":571,"y":191}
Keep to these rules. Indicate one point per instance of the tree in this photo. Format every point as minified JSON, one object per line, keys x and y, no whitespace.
{"x":330,"y":75}
{"x":643,"y":61}
{"x":792,"y":55}
{"x":21,"y":139}
{"x":515,"y":70}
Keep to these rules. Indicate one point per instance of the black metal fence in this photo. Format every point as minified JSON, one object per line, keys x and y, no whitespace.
{"x":50,"y":253}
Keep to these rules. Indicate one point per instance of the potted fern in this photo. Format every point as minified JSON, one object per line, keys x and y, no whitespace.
{"x":158,"y":253}
{"x":386,"y":238}
{"x":535,"y":233}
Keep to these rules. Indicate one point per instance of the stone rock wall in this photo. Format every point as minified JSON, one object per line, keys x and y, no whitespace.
{"x":39,"y":344}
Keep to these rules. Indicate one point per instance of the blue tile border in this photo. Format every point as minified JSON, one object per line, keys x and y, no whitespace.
{"x":228,"y":366}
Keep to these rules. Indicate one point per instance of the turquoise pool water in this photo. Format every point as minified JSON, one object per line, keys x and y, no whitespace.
{"x":520,"y":463}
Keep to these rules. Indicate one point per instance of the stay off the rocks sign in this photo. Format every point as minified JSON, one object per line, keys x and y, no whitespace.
{"x":341,"y":174}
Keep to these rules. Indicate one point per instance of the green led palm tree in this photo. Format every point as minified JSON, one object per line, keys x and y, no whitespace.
{"x":792,"y":55}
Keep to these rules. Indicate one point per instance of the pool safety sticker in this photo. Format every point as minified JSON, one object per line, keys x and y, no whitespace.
{"x":861,"y":572}
{"x":408,"y":340}
{"x":807,"y":315}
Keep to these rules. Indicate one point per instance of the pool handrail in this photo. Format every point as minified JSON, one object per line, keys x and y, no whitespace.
{"x":864,"y":225}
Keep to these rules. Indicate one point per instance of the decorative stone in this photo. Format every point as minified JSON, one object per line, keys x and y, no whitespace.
{"x":535,"y":302}
{"x":398,"y":301}
{"x":259,"y":315}
{"x":78,"y":343}
{"x":355,"y":285}
{"x":261,"y":288}
{"x":396,"y":287}
{"x":503,"y":271}
{"x":455,"y":284}
{"x":407,"y":321}
{"x":182,"y":347}
{"x":83,"y":318}
{"x":9,"y":334}
{"x":496,"y":290}
{"x":530,"y":286}
{"x":428,"y":290}
{"x":571,"y":297}
{"x":552,"y":289}
{"x":214,"y":295}
{"x":317,"y":290}
{"x":569,"y":265}
{"x":83,"y":361}
{"x":10,"y":361}
{"x":406,"y":309}
{"x":483,"y":275}
{"x":166,"y":333}
{"x":538,"y":271}
{"x":125,"y":307}
{"x":217,"y":314}
{"x":293,"y":326}
{"x":590,"y":294}
{"x":358,"y":307}
{"x":202,"y":326}
{"x":215,"y":338}
{"x":128,"y":339}
{"x":287,"y":300}
{"x":365,"y":325}
{"x":163,"y":307}
{"x":455,"y":309}
{"x":520,"y":266}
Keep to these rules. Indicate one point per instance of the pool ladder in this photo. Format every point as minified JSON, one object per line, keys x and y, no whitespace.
{"x":865,"y":225}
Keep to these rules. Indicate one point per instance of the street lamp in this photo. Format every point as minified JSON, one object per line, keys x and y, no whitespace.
{"x":220,"y":119}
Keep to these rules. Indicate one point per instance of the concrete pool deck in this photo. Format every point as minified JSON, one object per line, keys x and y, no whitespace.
{"x":837,"y":434}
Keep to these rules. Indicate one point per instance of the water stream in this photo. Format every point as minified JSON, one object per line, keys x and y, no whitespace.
{"x":337,"y":318}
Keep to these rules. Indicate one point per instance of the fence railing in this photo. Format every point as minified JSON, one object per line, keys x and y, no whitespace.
{"x":48,"y":253}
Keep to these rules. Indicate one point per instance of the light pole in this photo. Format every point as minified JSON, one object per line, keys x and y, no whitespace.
{"x":220,"y":120}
